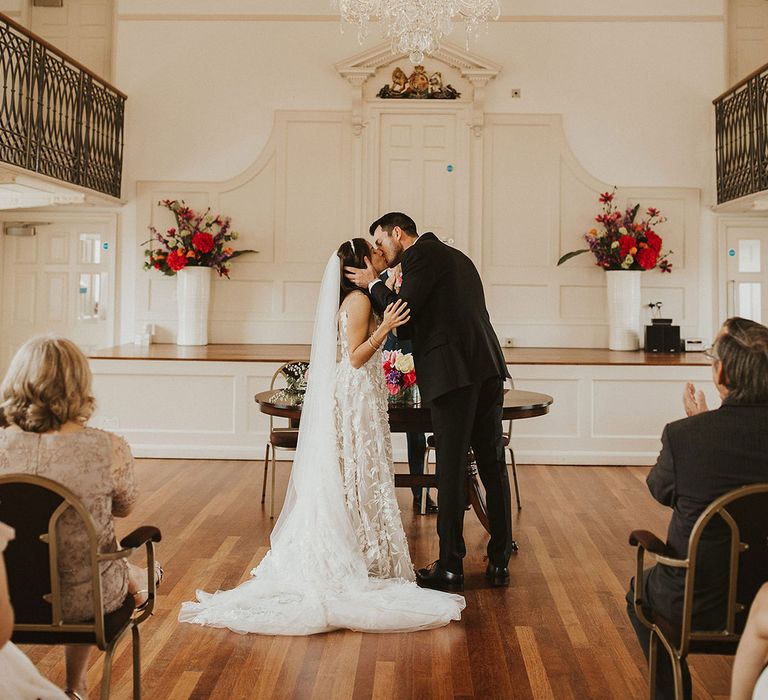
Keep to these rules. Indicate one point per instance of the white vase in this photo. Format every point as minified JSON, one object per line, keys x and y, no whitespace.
{"x":623,"y":309}
{"x":193,"y":294}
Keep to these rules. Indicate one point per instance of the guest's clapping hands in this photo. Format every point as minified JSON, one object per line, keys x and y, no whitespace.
{"x":361,"y":277}
{"x":396,"y":315}
{"x":694,"y":401}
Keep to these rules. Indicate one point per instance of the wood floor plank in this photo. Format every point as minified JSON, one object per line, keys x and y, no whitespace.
{"x":559,"y":631}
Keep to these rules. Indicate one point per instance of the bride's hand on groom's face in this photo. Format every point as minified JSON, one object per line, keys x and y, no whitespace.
{"x":361,"y":277}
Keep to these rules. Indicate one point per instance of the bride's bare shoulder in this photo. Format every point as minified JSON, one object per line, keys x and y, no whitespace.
{"x":357,"y":304}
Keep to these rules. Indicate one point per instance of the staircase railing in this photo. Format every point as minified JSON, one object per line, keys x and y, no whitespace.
{"x":741,"y":121}
{"x":57,"y":117}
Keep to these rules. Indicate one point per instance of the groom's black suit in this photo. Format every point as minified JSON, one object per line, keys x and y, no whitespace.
{"x":460,"y":370}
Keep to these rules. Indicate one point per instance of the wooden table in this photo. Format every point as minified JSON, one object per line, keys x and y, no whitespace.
{"x":418,"y":419}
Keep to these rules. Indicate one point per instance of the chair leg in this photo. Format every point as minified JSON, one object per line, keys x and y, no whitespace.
{"x":677,"y":672}
{"x":266,"y":469}
{"x":272,"y":497}
{"x":425,"y":490}
{"x":653,"y":653}
{"x":136,"y":643}
{"x":514,"y":478}
{"x":106,"y":676}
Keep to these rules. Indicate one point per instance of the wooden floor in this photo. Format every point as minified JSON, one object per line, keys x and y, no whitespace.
{"x":559,"y":631}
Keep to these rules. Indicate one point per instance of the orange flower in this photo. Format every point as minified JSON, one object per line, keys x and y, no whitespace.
{"x":191,"y":254}
{"x":593,"y":232}
{"x":228,"y":251}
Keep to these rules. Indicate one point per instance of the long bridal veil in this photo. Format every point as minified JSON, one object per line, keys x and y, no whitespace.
{"x":314,"y":578}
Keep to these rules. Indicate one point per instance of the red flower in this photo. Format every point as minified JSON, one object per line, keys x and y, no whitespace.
{"x":654,"y":241}
{"x":653,"y":211}
{"x":606,"y":197}
{"x":646,"y":258}
{"x":626,"y":243}
{"x":203,"y":242}
{"x":409,"y":379}
{"x":177,"y":260}
{"x":665,"y":266}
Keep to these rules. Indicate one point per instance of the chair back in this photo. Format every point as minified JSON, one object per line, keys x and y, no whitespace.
{"x":32,"y":506}
{"x":742,"y":512}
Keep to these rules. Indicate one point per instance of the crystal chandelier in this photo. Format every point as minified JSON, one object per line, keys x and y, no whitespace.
{"x":415,"y":27}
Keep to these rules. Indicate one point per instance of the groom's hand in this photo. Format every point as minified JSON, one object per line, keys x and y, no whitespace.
{"x":361,"y":277}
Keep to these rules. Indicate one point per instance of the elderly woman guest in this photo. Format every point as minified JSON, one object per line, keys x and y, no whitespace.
{"x":45,"y":401}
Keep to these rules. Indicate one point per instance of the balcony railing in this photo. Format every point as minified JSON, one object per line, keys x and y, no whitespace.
{"x":741,"y":123}
{"x":58,"y":118}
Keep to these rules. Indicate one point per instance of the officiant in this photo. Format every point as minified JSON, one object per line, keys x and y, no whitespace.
{"x":416,"y":442}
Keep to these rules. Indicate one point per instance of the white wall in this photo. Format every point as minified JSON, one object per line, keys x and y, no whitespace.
{"x":633,"y":82}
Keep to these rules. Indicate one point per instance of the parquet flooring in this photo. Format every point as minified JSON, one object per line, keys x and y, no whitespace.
{"x":559,"y":631}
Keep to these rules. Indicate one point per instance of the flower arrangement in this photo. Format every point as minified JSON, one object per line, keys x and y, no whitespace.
{"x":623,"y":242}
{"x":296,"y":375}
{"x":197,"y":240}
{"x":399,"y":372}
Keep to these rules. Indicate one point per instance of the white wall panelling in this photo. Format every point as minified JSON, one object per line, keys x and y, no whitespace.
{"x":539,"y":201}
{"x":188,"y":409}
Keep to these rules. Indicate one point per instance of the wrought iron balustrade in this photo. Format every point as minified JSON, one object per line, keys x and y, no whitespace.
{"x":58,"y":118}
{"x":741,"y":133}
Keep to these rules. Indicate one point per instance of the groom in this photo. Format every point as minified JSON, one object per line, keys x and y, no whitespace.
{"x":461,"y":371}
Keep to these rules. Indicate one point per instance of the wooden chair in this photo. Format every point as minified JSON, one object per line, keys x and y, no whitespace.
{"x":743,"y":512}
{"x":33,"y":505}
{"x":282,"y":438}
{"x":507,"y":435}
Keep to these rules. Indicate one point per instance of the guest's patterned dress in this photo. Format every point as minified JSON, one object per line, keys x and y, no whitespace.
{"x":98,"y":468}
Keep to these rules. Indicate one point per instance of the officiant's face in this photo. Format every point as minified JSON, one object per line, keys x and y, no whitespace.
{"x":389,"y":244}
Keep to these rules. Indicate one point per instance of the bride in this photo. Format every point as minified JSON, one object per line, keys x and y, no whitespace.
{"x":339,"y":557}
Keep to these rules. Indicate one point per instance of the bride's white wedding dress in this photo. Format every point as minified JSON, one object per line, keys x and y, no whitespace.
{"x":339,"y":557}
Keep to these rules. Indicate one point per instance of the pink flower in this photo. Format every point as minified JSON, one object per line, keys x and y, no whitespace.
{"x":606,"y":197}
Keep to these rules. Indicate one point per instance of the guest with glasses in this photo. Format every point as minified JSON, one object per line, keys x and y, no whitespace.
{"x":703,"y":457}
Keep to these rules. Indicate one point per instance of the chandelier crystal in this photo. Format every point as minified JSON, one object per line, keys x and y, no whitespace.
{"x":415,"y":27}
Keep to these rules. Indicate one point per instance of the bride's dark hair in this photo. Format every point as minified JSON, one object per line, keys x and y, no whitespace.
{"x":351,"y":254}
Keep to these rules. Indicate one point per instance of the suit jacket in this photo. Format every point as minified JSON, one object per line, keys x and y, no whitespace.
{"x":454,"y":344}
{"x":703,"y":457}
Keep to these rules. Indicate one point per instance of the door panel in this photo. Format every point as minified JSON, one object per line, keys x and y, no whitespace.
{"x":747,"y":272}
{"x":59,"y":281}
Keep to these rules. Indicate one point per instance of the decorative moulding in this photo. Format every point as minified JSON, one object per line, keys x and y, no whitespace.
{"x":478,"y":71}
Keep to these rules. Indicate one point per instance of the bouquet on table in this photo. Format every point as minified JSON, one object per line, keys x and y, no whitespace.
{"x":295,"y":375}
{"x":399,"y":375}
{"x":624,"y":242}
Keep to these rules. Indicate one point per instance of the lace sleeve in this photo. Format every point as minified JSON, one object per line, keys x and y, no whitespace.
{"x":123,"y":478}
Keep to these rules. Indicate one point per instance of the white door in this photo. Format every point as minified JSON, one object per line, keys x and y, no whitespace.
{"x":61,"y":280}
{"x":423,"y":171}
{"x":747,"y":272}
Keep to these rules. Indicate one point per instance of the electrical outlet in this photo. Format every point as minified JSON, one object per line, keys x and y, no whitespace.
{"x":508,"y":343}
{"x":515,"y":92}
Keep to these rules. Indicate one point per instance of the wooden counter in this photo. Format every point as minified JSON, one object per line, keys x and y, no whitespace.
{"x":284,"y":353}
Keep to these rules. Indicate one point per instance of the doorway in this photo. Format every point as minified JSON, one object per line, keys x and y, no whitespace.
{"x":58,"y":277}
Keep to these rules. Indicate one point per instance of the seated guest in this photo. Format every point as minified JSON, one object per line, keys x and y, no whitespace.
{"x":702,"y":457}
{"x":45,"y":401}
{"x":19,"y":678}
{"x":750,"y":676}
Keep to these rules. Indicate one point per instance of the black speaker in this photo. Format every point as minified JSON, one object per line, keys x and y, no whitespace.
{"x":662,"y":336}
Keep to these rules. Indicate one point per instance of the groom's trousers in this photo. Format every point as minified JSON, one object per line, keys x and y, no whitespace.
{"x":471,"y":417}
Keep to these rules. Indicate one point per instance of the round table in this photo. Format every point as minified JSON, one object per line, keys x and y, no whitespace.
{"x":418,"y":419}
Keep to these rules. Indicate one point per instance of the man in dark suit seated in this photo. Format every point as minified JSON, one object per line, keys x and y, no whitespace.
{"x":702,"y":457}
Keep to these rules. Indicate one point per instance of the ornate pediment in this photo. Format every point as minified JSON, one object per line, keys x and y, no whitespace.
{"x":473,"y":68}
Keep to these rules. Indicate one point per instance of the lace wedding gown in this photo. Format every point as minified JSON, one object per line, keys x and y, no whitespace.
{"x":339,"y":557}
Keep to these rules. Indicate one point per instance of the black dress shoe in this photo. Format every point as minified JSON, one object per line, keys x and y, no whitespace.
{"x":439,"y":579}
{"x":430,"y":509}
{"x":497,"y":576}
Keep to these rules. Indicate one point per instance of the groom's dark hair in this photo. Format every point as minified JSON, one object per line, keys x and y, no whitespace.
{"x":395,"y":218}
